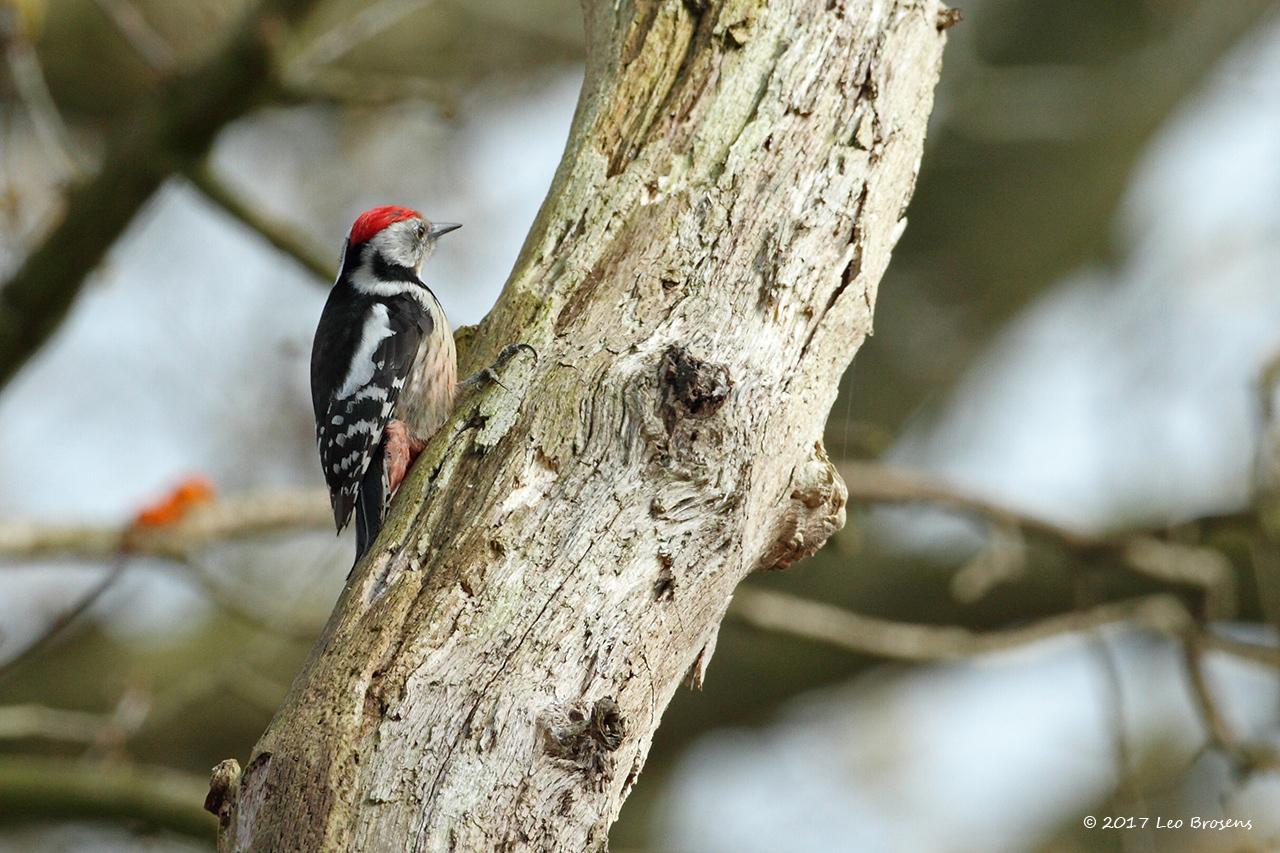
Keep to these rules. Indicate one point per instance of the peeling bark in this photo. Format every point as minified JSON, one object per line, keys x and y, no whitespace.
{"x":699,"y":277}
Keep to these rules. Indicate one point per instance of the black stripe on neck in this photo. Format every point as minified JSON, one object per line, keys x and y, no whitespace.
{"x":384,"y":270}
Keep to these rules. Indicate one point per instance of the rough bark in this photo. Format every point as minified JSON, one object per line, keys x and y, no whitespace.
{"x":695,"y":284}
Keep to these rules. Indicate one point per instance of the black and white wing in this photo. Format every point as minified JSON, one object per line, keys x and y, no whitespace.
{"x":363,"y":352}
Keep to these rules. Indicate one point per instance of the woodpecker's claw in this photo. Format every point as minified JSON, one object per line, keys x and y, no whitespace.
{"x":490,"y":373}
{"x":510,"y":352}
{"x":402,"y":449}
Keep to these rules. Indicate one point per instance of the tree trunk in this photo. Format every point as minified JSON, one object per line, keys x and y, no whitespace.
{"x":698,"y":279}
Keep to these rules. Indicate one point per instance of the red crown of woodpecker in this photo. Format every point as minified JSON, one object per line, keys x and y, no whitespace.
{"x":374,"y":220}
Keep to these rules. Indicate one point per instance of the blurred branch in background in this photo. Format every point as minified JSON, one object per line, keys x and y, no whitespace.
{"x":1246,"y":758}
{"x":180,"y":541}
{"x":33,"y":92}
{"x":236,"y":518}
{"x":64,"y":620}
{"x":837,"y":627}
{"x":1202,"y":570}
{"x":279,"y":235}
{"x":1145,"y":553}
{"x":23,"y":722}
{"x":1037,"y":108}
{"x":143,"y":148}
{"x":368,"y":22}
{"x":224,"y":519}
{"x":817,"y":622}
{"x":145,"y":41}
{"x":67,"y":789}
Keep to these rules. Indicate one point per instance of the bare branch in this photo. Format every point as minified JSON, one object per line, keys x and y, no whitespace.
{"x":868,"y":635}
{"x":872,"y":482}
{"x":368,"y":88}
{"x":148,"y":43}
{"x":33,"y":91}
{"x":238,"y":608}
{"x":62,"y":789}
{"x":142,"y":150}
{"x":61,"y":623}
{"x":1203,"y":569}
{"x":279,"y":235}
{"x":781,"y":613}
{"x":22,"y":722}
{"x":371,"y":20}
{"x":1246,"y":757}
{"x":221,"y":520}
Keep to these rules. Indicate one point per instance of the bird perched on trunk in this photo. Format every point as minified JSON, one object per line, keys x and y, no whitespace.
{"x":383,"y":365}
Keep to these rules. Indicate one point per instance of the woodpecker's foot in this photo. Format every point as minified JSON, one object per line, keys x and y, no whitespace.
{"x":490,"y":373}
{"x":403,"y":448}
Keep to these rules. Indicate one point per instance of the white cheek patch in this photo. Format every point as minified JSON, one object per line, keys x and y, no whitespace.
{"x":399,"y":244}
{"x":377,"y":328}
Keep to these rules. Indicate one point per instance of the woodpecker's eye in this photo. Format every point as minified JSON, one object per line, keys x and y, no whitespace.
{"x":422,"y":230}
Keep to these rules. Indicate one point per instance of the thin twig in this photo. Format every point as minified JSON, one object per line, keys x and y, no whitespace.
{"x":142,"y":37}
{"x":1254,"y":652}
{"x":236,"y":607}
{"x":350,"y":32}
{"x":1246,"y":758}
{"x":33,"y":91}
{"x":64,"y":620}
{"x":1203,"y":569}
{"x":1127,"y":784}
{"x":872,"y":482}
{"x":367,"y":88}
{"x":868,"y":635}
{"x":22,"y":722}
{"x":281,"y":236}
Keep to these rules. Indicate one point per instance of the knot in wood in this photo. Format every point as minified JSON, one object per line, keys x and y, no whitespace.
{"x":692,"y":388}
{"x":224,"y":785}
{"x":585,"y":739}
{"x":815,"y":509}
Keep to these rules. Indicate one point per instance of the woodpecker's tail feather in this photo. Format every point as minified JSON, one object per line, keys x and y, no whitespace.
{"x":372,"y":500}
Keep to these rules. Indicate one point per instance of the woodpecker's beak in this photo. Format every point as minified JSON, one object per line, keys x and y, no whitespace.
{"x":441,"y":228}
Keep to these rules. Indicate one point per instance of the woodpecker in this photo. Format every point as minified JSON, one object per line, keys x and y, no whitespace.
{"x":383,"y":365}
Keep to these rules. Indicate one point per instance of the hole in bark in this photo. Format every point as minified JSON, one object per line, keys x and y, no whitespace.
{"x":607,"y":725}
{"x":585,"y":741}
{"x":853,"y":269}
{"x":664,"y":588}
{"x":693,"y":388}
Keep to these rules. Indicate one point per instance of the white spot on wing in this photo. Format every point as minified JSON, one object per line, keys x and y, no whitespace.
{"x":377,"y":328}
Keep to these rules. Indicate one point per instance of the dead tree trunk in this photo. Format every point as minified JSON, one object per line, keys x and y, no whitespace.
{"x":559,"y":560}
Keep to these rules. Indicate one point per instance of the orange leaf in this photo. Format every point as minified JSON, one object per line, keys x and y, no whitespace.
{"x":190,"y":493}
